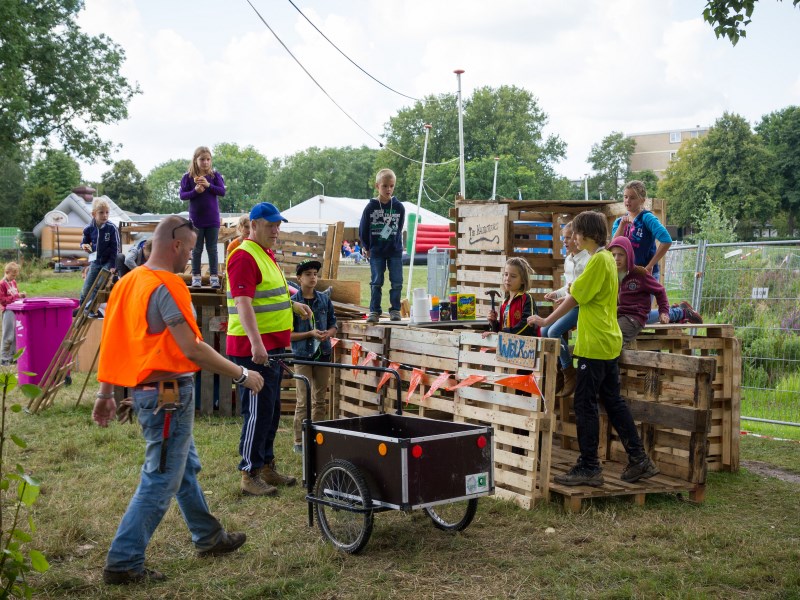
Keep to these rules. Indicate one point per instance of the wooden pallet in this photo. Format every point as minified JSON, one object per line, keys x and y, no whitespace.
{"x":356,"y":394}
{"x":573,"y":497}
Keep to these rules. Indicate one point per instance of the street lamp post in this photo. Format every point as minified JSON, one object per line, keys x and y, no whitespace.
{"x":586,"y":187}
{"x":321,"y":200}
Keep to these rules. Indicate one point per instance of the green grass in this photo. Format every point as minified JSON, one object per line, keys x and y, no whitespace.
{"x":740,"y":543}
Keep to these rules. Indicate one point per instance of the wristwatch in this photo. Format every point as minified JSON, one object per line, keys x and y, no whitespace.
{"x":242,"y":378}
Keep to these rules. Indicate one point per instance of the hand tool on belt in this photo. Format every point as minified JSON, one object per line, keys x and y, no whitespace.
{"x":168,"y":397}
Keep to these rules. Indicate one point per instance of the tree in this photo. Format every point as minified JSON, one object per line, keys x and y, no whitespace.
{"x":13,"y":176}
{"x":55,"y":170}
{"x":345,"y":172}
{"x":732,"y":166}
{"x":126,"y":186}
{"x":244,"y":171}
{"x":713,"y":225}
{"x":505,"y":122}
{"x":36,"y":203}
{"x":164,"y":184}
{"x":611,"y":160}
{"x":730,"y":17}
{"x":780,"y":131}
{"x":56,"y":82}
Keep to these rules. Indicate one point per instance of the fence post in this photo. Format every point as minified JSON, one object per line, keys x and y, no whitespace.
{"x":699,"y":275}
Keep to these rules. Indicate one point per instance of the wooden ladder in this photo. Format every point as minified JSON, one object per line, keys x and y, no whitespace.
{"x":64,"y":360}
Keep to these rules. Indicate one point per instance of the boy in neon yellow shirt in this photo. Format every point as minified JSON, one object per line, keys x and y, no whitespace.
{"x":597,"y":349}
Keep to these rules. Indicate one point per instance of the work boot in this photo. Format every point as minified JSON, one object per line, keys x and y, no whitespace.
{"x":559,"y":380}
{"x":126,"y":577}
{"x":570,"y":379}
{"x":227,"y":543}
{"x":214,"y":280}
{"x":271,"y":476}
{"x":394,"y":315}
{"x":197,"y":281}
{"x":641,"y":469}
{"x":373,"y":317}
{"x":253,"y":485}
{"x":690,"y":314}
{"x":581,"y":475}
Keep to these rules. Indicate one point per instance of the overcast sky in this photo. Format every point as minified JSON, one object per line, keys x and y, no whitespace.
{"x":212,"y":72}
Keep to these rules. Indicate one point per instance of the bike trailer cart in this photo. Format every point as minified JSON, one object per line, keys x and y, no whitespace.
{"x":355,"y":467}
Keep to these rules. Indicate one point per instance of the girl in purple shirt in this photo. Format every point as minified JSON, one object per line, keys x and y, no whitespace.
{"x":201,"y":186}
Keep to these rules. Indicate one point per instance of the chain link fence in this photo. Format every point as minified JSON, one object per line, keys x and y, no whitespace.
{"x":755,"y":287}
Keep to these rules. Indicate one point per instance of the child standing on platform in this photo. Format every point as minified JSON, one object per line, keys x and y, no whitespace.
{"x":518,"y":304}
{"x":9,"y":293}
{"x":574,"y":264}
{"x":598,"y":348}
{"x":311,"y":340}
{"x":381,"y":234}
{"x":101,"y":238}
{"x":202,"y":186}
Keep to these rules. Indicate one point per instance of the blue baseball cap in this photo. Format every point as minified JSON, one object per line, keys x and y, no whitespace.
{"x":268,"y":212}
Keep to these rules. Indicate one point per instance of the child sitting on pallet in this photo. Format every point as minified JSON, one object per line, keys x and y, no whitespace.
{"x":599,"y":343}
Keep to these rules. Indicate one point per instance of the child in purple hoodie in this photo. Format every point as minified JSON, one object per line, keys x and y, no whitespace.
{"x":635,"y":287}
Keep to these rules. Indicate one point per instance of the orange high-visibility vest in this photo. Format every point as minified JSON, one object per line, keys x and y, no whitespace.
{"x":128,"y":353}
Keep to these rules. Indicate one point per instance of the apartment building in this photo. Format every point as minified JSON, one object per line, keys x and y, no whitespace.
{"x":655,"y":149}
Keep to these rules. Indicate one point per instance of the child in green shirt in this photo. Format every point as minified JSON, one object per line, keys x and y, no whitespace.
{"x":599,"y":343}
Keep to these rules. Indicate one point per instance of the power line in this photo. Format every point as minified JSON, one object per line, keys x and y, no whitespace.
{"x":347,"y":57}
{"x":336,"y":104}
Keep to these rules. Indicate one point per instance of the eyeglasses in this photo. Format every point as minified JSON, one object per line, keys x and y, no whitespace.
{"x":186,"y":223}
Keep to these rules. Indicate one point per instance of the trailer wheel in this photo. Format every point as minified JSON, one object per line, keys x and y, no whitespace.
{"x":343,"y":485}
{"x":455,"y":516}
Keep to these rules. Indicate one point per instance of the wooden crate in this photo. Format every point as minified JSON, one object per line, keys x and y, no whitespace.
{"x":216,"y":392}
{"x":716,"y":341}
{"x":523,"y":424}
{"x":670,"y":397}
{"x":356,"y":394}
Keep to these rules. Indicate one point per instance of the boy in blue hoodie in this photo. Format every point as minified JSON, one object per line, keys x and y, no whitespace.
{"x":381,"y":233}
{"x":101,"y":238}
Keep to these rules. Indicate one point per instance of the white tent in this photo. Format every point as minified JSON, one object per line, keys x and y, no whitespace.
{"x":307,"y":215}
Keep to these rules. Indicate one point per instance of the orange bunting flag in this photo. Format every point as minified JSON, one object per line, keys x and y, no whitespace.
{"x":471,"y":380}
{"x":416,"y":377}
{"x":367,"y":361}
{"x":334,"y":341}
{"x":524,"y":383}
{"x":437,"y":383}
{"x":386,"y":376}
{"x":355,"y":354}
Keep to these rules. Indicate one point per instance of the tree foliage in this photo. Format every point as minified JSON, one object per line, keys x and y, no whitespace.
{"x":56,"y":82}
{"x":164,"y":185}
{"x":244,"y":170}
{"x":730,"y":17}
{"x":504,"y":122}
{"x":345,"y":172}
{"x":780,"y":131}
{"x":125,"y":185}
{"x":57,"y":170}
{"x":713,"y":225}
{"x":36,"y":202}
{"x":732,"y":166}
{"x":611,"y":159}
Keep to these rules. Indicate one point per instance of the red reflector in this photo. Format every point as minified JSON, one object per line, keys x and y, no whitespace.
{"x":416,"y":451}
{"x":481,"y":441}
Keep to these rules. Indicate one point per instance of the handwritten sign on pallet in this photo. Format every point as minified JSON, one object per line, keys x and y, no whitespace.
{"x":517,"y":350}
{"x":484,"y":232}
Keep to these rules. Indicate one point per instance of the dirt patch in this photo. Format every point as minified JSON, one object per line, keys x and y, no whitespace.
{"x":768,"y":470}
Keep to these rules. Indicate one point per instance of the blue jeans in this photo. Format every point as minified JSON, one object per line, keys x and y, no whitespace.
{"x":156,"y":490}
{"x":207,"y":236}
{"x":558,"y":329}
{"x":91,"y":275}
{"x":675,"y":314}
{"x":261,"y":414}
{"x":377,"y":266}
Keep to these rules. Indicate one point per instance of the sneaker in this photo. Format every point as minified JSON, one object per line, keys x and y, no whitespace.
{"x":373,"y":317}
{"x":690,"y":314}
{"x":271,"y":476}
{"x":394,"y":315}
{"x":197,"y":281}
{"x":214,"y":282}
{"x":644,"y":469}
{"x":227,"y":543}
{"x":298,"y":448}
{"x":253,"y":485}
{"x":580,"y":475}
{"x":126,"y":577}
